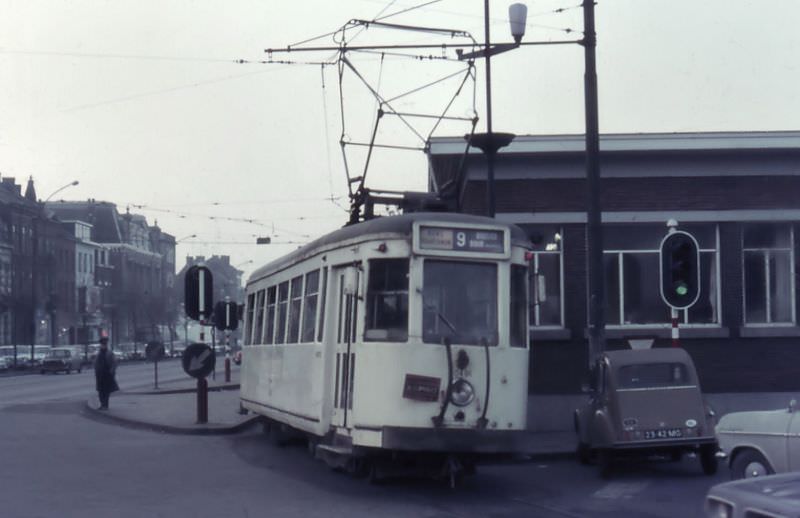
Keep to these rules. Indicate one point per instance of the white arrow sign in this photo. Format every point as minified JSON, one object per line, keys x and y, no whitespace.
{"x":196,"y":363}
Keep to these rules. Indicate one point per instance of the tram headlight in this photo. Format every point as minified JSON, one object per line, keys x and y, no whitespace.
{"x":461,"y":392}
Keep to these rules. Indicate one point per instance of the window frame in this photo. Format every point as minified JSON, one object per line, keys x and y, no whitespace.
{"x":683,"y":314}
{"x":766,"y":254}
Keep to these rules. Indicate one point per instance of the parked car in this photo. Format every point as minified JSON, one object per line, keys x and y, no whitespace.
{"x":65,"y":359}
{"x":775,"y":496}
{"x":645,"y":402}
{"x":761,"y":443}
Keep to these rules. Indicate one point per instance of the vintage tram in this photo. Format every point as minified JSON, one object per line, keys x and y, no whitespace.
{"x":398,"y":341}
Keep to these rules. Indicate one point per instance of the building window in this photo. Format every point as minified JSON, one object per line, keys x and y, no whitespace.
{"x":768,"y":271}
{"x":632,"y":276}
{"x":546,"y":278}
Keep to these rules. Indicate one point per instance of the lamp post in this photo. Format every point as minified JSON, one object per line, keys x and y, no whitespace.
{"x":491,"y":142}
{"x":594,"y":227}
{"x":39,"y":214}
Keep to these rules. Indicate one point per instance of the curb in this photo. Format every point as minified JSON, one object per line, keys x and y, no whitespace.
{"x":93,"y":413}
{"x":217,"y":388}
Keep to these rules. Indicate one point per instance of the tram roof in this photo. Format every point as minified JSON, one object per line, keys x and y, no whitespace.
{"x":399,"y":225}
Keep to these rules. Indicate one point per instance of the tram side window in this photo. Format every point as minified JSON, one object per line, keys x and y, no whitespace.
{"x":459,"y":302}
{"x":259,"y":327}
{"x":248,"y":334}
{"x":283,"y":303}
{"x":519,"y":307}
{"x":270,"y":330}
{"x":310,"y":306}
{"x":294,"y":310}
{"x":387,"y":301}
{"x":321,"y":326}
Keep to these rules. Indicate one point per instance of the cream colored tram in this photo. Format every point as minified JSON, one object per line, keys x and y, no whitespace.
{"x":394,"y":337}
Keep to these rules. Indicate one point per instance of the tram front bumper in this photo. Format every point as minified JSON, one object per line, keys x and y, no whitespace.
{"x":463,"y":440}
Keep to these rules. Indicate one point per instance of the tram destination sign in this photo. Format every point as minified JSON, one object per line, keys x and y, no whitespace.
{"x":438,"y":239}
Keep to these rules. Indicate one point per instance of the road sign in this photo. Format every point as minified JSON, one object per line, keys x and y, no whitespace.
{"x":198,"y":360}
{"x":198,"y":293}
{"x":154,"y":351}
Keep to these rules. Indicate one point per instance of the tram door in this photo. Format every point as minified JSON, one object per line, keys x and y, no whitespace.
{"x":347,"y":283}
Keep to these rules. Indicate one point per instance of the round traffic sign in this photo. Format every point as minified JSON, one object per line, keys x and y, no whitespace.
{"x":154,"y":351}
{"x":198,"y":360}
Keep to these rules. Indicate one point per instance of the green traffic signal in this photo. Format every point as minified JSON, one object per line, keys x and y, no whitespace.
{"x":681,"y":289}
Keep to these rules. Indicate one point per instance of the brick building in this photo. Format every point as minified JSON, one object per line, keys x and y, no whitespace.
{"x":37,"y":281}
{"x":737,"y":193}
{"x":133,"y":268}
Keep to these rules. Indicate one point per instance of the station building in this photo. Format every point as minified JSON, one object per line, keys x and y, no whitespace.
{"x":738,"y":194}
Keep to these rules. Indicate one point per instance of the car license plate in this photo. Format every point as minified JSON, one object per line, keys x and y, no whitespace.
{"x":666,"y":433}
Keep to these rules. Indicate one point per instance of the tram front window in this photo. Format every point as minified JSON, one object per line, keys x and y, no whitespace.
{"x":459,"y":302}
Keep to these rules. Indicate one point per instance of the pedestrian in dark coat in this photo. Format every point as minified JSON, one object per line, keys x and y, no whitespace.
{"x":105,"y":370}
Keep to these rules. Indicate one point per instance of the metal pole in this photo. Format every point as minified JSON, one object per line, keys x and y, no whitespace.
{"x":676,"y":339}
{"x":34,"y":280}
{"x":490,"y":209}
{"x":202,"y":401}
{"x":594,"y":229}
{"x":227,"y":356}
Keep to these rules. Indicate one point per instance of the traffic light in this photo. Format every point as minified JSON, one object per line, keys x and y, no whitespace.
{"x":198,"y":293}
{"x":680,"y":270}
{"x":226,"y":315}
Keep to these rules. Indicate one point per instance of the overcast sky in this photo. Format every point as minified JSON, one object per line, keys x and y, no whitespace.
{"x":143,"y":102}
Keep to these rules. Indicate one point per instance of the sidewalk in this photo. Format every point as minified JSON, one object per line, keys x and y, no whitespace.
{"x":173,"y":409}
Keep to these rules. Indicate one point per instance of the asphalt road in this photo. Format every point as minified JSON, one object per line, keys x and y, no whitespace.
{"x":36,"y":388}
{"x":58,"y":460}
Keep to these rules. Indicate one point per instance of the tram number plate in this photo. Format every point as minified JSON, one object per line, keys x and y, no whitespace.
{"x":421,"y":388}
{"x":668,"y":433}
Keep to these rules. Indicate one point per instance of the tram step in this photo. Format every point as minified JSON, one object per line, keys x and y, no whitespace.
{"x":336,"y":450}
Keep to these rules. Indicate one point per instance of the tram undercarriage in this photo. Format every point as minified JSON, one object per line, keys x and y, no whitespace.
{"x":380,"y":464}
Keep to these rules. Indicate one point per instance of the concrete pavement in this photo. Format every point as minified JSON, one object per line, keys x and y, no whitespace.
{"x":172,"y":409}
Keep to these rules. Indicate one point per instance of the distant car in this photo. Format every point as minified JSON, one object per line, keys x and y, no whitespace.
{"x":761,"y":442}
{"x":645,"y":402}
{"x":63,"y":359}
{"x":775,"y":496}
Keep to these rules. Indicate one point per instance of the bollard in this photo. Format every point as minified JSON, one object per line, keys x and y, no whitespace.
{"x":202,"y":401}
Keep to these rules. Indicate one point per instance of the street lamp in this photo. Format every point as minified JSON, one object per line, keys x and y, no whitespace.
{"x":34,"y":266}
{"x":491,"y":142}
{"x":190,"y":236}
{"x":70,"y":184}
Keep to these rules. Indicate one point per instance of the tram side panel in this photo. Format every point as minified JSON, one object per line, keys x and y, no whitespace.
{"x":286,"y":383}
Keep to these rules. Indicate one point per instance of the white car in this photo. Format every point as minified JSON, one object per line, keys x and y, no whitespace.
{"x":775,"y":496}
{"x":761,"y":443}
